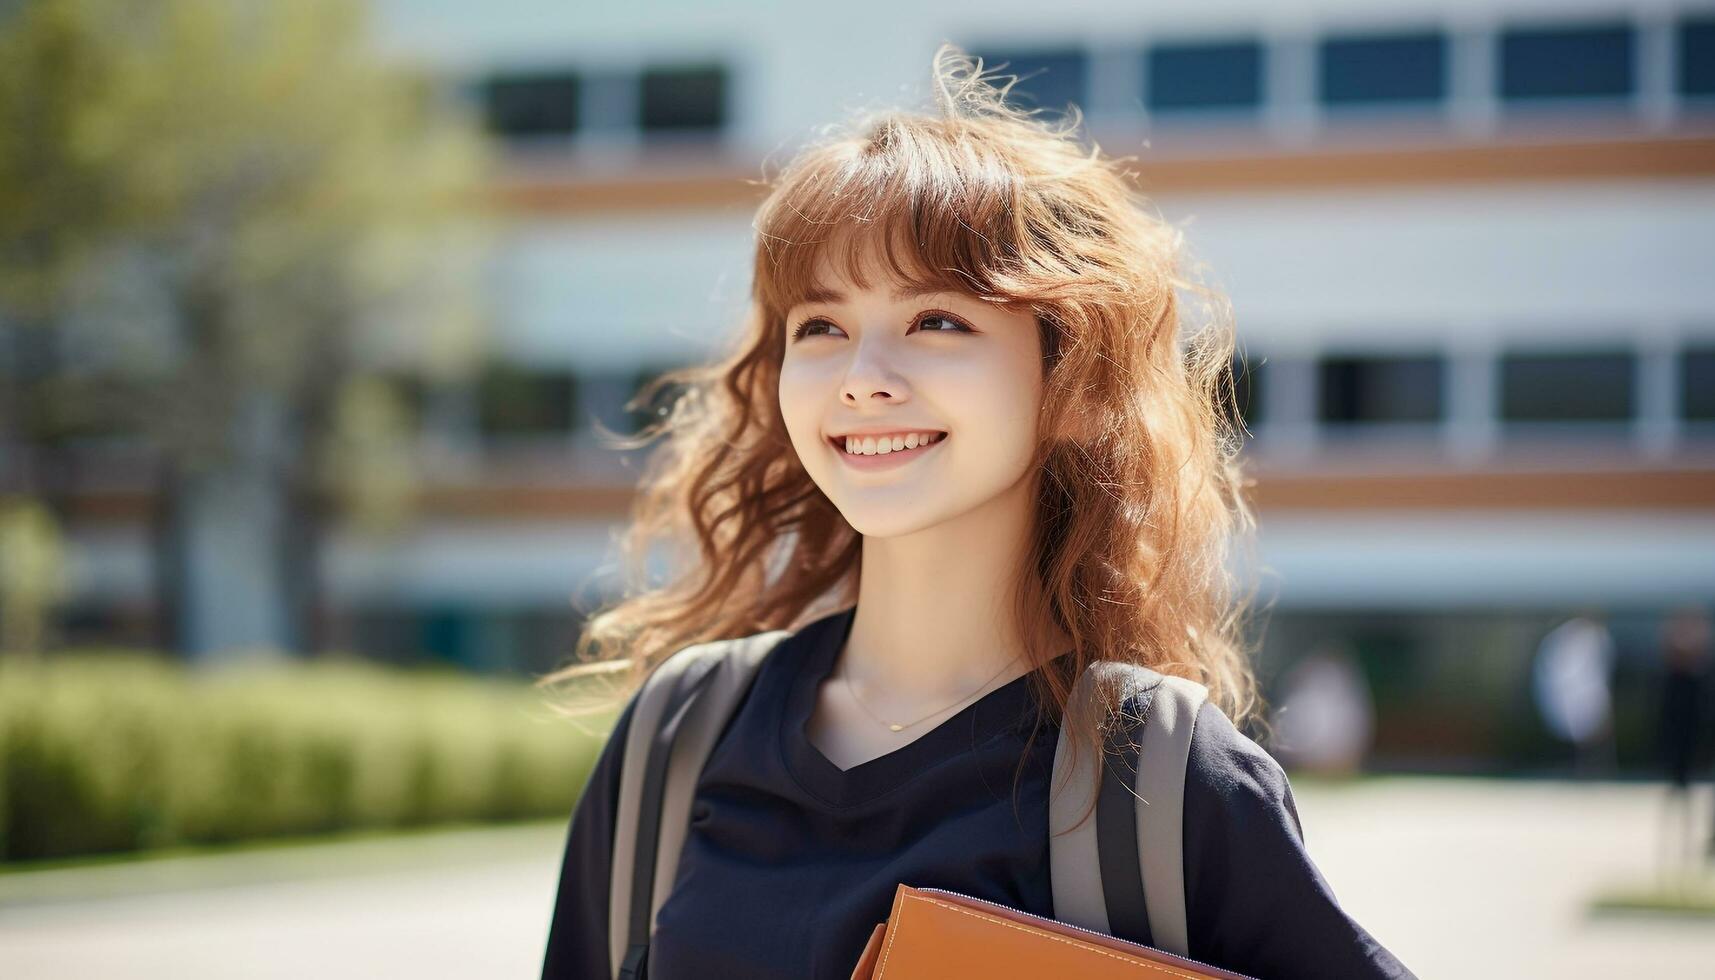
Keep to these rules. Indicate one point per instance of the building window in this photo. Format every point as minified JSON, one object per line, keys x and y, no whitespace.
{"x":536,"y":104}
{"x":1697,"y":384}
{"x":1356,"y":390}
{"x":516,"y":401}
{"x":614,"y":400}
{"x":1247,"y":389}
{"x":1697,"y":56}
{"x":1593,"y":386}
{"x":1048,"y":80}
{"x":601,"y":401}
{"x":659,"y":403}
{"x":1566,"y":62}
{"x":80,"y":409}
{"x":1365,"y":69}
{"x":685,"y":98}
{"x":1206,"y":75}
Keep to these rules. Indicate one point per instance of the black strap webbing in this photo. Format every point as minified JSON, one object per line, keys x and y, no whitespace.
{"x":1116,"y":830}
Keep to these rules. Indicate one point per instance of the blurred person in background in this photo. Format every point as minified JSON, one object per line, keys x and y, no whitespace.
{"x":1571,"y":681}
{"x":1326,"y":714}
{"x":1686,"y":717}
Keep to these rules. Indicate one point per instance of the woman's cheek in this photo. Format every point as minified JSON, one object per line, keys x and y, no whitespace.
{"x":1000,"y":403}
{"x":798,"y":409}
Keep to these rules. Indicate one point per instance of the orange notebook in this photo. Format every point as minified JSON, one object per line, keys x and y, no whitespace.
{"x":932,"y":934}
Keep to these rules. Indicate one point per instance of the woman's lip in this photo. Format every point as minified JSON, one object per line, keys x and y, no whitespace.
{"x":882,"y":461}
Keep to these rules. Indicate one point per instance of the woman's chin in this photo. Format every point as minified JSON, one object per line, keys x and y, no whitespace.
{"x":892,"y":523}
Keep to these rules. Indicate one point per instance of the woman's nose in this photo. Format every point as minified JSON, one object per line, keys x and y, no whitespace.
{"x":867,"y":380}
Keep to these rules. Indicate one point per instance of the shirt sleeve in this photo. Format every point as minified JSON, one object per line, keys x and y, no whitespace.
{"x":578,"y":932}
{"x":1255,"y":902}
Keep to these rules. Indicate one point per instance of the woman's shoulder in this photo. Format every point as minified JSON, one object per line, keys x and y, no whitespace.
{"x":1224,"y":763}
{"x":1255,"y":899}
{"x":1229,"y":766}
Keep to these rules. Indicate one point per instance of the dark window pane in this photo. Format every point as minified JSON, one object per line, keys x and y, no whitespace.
{"x":1247,"y":389}
{"x":78,"y":408}
{"x":516,"y":401}
{"x":1383,"y":68}
{"x":601,"y":400}
{"x":1208,"y":75}
{"x":1046,"y":79}
{"x":1697,"y":383}
{"x":1562,"y":62}
{"x":1697,"y":56}
{"x":684,"y":98}
{"x":1381,"y":389}
{"x":1566,"y":387}
{"x":449,"y":633}
{"x":531,"y":105}
{"x":652,"y":404}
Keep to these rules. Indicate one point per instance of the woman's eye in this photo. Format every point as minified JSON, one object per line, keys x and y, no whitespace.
{"x":933,"y":322}
{"x":808,"y":325}
{"x":951,"y":325}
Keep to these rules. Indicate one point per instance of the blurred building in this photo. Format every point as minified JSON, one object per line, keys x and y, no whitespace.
{"x":1468,"y":246}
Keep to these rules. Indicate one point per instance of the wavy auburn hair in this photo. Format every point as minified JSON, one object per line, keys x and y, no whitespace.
{"x":1139,"y":490}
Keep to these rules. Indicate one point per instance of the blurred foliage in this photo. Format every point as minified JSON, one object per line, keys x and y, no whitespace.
{"x":110,"y":751}
{"x":373,"y":446}
{"x":32,"y":571}
{"x":212,"y":201}
{"x":1688,"y":893}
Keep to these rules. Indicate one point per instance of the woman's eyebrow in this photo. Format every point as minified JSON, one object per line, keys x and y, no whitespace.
{"x":822,"y":294}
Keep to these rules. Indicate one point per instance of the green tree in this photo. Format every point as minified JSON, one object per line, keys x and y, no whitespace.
{"x":217,"y":220}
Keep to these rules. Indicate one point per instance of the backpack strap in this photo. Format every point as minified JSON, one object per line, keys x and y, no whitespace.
{"x":1123,"y":872}
{"x":1161,"y":763}
{"x":681,"y":710}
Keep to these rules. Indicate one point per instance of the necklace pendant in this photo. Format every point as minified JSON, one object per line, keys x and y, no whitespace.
{"x":897,"y":727}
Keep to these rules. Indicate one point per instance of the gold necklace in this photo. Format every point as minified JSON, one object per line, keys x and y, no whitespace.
{"x":893,"y":726}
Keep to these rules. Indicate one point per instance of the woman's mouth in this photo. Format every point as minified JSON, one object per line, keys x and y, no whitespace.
{"x":877,"y":460}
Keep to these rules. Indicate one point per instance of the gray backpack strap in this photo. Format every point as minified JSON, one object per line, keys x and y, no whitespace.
{"x":1073,"y":868}
{"x":1124,"y":871}
{"x":1162,"y":759}
{"x":681,"y":711}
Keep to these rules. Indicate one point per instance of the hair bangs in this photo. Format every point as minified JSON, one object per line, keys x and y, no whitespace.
{"x":927,"y":210}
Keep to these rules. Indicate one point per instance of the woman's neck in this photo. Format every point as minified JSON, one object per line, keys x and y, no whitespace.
{"x":934,"y":618}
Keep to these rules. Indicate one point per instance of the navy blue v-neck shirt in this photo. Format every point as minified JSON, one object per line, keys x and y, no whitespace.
{"x":790,"y":861}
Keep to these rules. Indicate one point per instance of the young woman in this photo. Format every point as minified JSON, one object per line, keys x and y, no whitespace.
{"x":968,"y":442}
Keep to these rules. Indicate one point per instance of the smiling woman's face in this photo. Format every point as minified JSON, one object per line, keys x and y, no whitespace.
{"x":875,"y":361}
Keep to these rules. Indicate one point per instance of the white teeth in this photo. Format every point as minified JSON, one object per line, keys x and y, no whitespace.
{"x":880,"y":446}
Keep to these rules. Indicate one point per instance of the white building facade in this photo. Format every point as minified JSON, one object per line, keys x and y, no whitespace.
{"x":1468,"y":247}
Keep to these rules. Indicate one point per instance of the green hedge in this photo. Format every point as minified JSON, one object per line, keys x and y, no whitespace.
{"x":104,"y":752}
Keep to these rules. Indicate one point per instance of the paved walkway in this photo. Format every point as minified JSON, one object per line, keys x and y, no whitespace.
{"x":1478,"y":878}
{"x":1461,"y":878}
{"x":468,"y":904}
